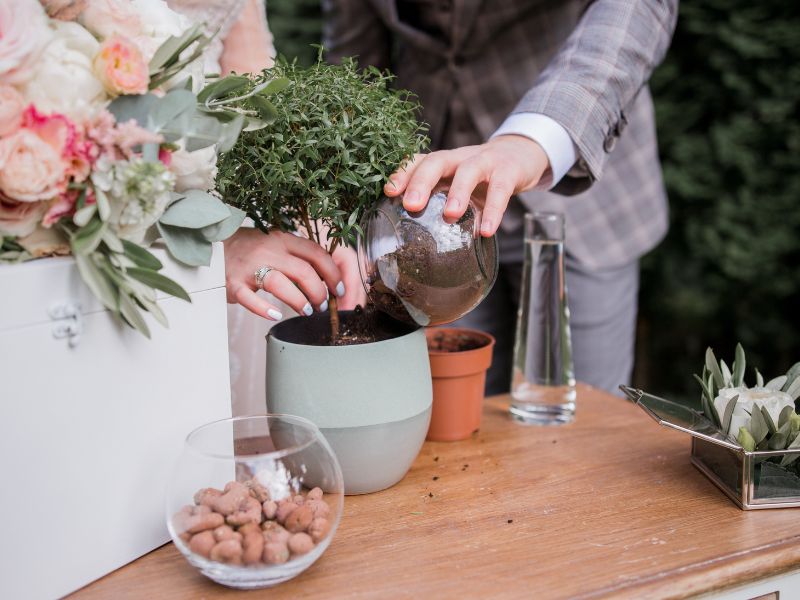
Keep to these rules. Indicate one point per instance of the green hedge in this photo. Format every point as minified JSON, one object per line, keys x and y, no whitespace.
{"x":727,"y":105}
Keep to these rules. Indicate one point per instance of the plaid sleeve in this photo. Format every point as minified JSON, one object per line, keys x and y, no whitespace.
{"x":597,"y":74}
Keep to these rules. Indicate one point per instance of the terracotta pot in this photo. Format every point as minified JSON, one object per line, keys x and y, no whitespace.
{"x":459,"y":378}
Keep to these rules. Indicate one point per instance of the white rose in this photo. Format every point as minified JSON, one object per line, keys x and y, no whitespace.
{"x":158,"y":22}
{"x":773,"y":401}
{"x":194,"y":170}
{"x":63,"y":80}
{"x":23,"y":35}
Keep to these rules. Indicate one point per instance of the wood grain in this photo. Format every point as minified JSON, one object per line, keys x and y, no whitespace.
{"x":608,"y":506}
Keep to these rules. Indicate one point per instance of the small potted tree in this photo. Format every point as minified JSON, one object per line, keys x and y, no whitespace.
{"x":318,"y":168}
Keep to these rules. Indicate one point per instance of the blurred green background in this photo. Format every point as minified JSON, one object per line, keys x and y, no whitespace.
{"x":727,"y":106}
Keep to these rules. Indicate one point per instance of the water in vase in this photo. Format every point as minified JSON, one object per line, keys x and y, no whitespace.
{"x":543,"y":382}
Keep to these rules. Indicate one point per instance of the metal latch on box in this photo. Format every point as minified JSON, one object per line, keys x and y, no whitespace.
{"x":69,"y":323}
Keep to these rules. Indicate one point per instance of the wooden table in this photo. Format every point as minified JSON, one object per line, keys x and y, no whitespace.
{"x":606,"y":506}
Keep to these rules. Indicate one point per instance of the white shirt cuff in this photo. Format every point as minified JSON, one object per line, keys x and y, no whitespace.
{"x":551,"y":136}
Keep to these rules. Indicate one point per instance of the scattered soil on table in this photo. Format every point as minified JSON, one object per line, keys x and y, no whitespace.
{"x":451,"y":341}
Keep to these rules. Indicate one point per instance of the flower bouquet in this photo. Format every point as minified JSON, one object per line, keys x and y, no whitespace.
{"x":109,"y":132}
{"x":746,"y":440}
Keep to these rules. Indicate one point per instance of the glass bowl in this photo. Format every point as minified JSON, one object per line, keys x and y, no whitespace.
{"x":422,"y":268}
{"x":254,"y":501}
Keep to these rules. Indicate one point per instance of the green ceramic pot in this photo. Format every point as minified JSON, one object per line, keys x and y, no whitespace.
{"x":371,"y":401}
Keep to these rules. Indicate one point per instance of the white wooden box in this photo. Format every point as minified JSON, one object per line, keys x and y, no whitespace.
{"x":89,"y":434}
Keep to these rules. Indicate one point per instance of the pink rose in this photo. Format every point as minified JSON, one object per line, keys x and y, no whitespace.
{"x":11,"y":106}
{"x":120,"y":67}
{"x":23,"y":35}
{"x":19,"y":218}
{"x":58,"y":131}
{"x":30,"y":168}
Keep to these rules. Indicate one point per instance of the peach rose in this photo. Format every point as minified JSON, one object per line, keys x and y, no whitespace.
{"x":30,"y":168}
{"x":120,"y":67}
{"x":23,"y":35}
{"x":19,"y":218}
{"x":11,"y":107}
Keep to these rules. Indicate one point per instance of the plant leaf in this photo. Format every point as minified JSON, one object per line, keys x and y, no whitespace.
{"x":728,"y":415}
{"x":789,"y":459}
{"x":82,"y":216}
{"x":758,"y":427}
{"x":794,"y":389}
{"x":783,"y":418}
{"x":776,"y":384}
{"x":726,"y":373}
{"x":103,"y":289}
{"x":767,"y":418}
{"x":186,"y":245}
{"x":86,"y":239}
{"x":225,"y":228}
{"x":159,"y":282}
{"x":222,"y":87}
{"x":131,"y":314}
{"x":759,"y":379}
{"x":713,"y":368}
{"x":140,"y":256}
{"x":197,"y":209}
{"x":739,"y":366}
{"x":791,"y":375}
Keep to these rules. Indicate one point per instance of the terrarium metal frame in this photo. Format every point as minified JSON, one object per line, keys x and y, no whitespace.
{"x":710,"y":448}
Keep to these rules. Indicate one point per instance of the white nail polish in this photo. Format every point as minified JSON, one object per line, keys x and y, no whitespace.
{"x":323,"y":307}
{"x":274,"y":314}
{"x":307,"y":310}
{"x":340,"y":289}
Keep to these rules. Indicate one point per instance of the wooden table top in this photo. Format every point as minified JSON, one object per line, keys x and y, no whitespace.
{"x":608,"y":506}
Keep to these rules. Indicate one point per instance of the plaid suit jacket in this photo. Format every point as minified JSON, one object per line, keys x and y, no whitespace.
{"x":583,"y":63}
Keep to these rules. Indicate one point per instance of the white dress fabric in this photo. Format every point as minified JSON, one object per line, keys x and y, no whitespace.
{"x":246,"y":331}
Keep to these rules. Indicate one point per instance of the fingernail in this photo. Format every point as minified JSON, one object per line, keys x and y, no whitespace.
{"x":411,"y":198}
{"x":487,"y":226}
{"x":274,"y":314}
{"x":307,"y":310}
{"x":323,"y":307}
{"x":340,"y":289}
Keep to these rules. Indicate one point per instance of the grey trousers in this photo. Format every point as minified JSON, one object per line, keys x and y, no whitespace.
{"x":602,"y":304}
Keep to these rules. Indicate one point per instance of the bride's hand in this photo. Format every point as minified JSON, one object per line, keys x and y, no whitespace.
{"x":302,"y":273}
{"x":347,"y":261}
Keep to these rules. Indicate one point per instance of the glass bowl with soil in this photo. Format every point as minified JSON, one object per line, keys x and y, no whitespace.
{"x":422,"y":268}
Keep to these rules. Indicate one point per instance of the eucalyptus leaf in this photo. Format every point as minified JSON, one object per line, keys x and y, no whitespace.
{"x":222,"y":87}
{"x":777,"y":383}
{"x":136,"y":107}
{"x":158,"y":281}
{"x":131,"y":314}
{"x":713,"y":368}
{"x":82,"y":216}
{"x":186,"y":245}
{"x":197,"y":209}
{"x":102,"y":203}
{"x":739,"y":366}
{"x":86,"y":239}
{"x":170,"y":107}
{"x":97,"y":282}
{"x":140,"y":256}
{"x":225,"y":228}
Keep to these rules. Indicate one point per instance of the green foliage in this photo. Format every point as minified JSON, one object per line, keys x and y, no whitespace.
{"x":727,"y":103}
{"x":339,"y":134}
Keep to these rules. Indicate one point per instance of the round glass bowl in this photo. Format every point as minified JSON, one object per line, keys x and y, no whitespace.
{"x":254,"y":501}
{"x":422,"y":268}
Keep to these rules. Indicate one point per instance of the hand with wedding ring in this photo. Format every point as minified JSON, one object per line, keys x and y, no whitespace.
{"x":294,"y":269}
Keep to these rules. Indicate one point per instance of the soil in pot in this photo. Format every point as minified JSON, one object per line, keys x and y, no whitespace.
{"x":428,"y":280}
{"x":360,"y":326}
{"x":455,"y":341}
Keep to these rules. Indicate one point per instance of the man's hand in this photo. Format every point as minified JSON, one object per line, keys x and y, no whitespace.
{"x":494,"y":171}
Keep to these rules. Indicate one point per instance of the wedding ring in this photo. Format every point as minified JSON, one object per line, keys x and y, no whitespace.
{"x":260,"y":273}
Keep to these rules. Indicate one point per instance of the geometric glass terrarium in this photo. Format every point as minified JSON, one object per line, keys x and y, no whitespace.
{"x":753,"y":480}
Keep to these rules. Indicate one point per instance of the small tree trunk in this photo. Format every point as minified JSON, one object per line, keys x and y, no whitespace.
{"x":334,"y":319}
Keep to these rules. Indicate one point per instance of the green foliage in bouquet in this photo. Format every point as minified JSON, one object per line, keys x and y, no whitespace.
{"x":322,"y":163}
{"x":123,"y":275}
{"x":766,"y":415}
